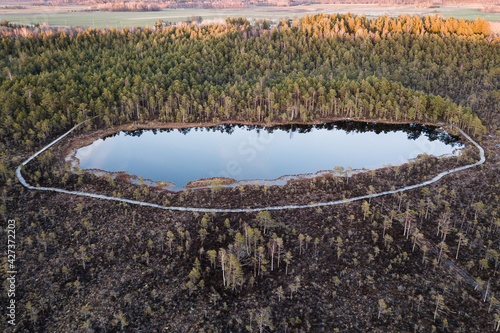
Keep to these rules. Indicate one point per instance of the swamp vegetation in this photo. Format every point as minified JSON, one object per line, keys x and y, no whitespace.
{"x":394,"y":263}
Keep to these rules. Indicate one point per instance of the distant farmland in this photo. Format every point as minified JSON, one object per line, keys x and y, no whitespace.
{"x":81,"y":16}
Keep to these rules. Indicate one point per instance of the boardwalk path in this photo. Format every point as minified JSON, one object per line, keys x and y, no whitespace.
{"x":239,"y":210}
{"x":457,"y":271}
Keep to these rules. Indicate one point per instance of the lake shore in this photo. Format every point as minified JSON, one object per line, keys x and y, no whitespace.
{"x":87,"y":138}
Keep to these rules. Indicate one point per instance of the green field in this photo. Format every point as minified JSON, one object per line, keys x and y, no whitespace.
{"x":80,"y":16}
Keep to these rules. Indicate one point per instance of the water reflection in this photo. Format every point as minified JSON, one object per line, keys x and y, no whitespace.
{"x":247,"y":152}
{"x":414,"y":131}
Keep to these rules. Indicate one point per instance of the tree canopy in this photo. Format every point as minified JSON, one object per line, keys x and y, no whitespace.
{"x":303,"y":69}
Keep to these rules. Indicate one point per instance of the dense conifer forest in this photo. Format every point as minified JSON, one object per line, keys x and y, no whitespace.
{"x":319,"y":66}
{"x":425,"y":260}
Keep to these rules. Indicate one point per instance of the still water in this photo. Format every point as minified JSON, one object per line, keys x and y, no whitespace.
{"x":254,"y":153}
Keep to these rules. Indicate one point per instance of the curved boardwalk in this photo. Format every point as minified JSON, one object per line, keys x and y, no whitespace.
{"x":239,"y":210}
{"x":447,"y":262}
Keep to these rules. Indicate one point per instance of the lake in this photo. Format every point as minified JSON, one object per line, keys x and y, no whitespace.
{"x":250,"y":153}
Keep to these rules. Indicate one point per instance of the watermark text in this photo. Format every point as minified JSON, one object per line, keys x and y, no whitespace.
{"x":11,"y":272}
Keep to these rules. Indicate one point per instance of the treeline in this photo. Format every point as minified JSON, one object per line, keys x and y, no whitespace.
{"x":322,"y":24}
{"x":128,"y":7}
{"x":317,"y":67}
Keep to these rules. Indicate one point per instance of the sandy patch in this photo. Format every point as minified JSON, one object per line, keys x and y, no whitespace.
{"x":495,"y":27}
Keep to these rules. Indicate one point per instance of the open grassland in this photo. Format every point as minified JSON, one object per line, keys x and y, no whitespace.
{"x":83,"y":16}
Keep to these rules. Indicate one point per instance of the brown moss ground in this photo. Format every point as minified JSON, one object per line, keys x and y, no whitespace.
{"x":132,"y":279}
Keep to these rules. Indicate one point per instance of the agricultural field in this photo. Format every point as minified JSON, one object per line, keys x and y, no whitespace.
{"x":78,"y":15}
